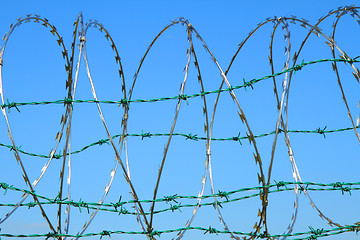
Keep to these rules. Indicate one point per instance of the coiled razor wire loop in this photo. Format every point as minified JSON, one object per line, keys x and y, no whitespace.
{"x":146,"y":218}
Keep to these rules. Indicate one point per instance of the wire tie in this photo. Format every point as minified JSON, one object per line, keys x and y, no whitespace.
{"x":170,"y":198}
{"x":10,"y":105}
{"x":247,"y":84}
{"x":31,"y":204}
{"x":280,"y":184}
{"x":184,"y":97}
{"x":211,"y":231}
{"x":192,"y":137}
{"x":105,"y":233}
{"x":118,"y":204}
{"x":84,"y":204}
{"x":224,"y":194}
{"x":12,"y":148}
{"x":175,"y":207}
{"x":154,"y":233}
{"x":143,"y":135}
{"x":315,"y":233}
{"x":5,"y":186}
{"x":237,"y":138}
{"x":81,"y":204}
{"x":339,"y":185}
{"x":216,"y":203}
{"x":321,"y":131}
{"x":115,"y":205}
{"x":263,"y":235}
{"x":126,"y":102}
{"x":123,"y":211}
{"x":51,"y":235}
{"x":346,"y":189}
{"x":67,"y":100}
{"x":102,"y":141}
{"x":299,"y":66}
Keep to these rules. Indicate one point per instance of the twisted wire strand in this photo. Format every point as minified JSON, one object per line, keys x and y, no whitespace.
{"x":182,"y":88}
{"x":68,"y":150}
{"x":317,"y":31}
{"x":54,"y":32}
{"x":117,"y":153}
{"x":125,"y":105}
{"x":280,"y":106}
{"x":71,"y":94}
{"x":207,"y":145}
{"x":148,"y":227}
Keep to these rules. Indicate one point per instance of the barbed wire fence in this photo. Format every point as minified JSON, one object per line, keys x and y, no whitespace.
{"x":59,"y":228}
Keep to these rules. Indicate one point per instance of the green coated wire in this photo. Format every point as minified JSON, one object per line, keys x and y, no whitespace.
{"x":315,"y":235}
{"x":184,"y":97}
{"x":312,"y":234}
{"x":174,"y":199}
{"x":189,"y":136}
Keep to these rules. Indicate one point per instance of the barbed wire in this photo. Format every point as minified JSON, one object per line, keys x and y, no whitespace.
{"x":189,"y":136}
{"x":145,"y":218}
{"x":246,"y":84}
{"x":312,"y":234}
{"x":280,"y":186}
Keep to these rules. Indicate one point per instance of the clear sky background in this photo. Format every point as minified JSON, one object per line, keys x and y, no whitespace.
{"x":34,"y":71}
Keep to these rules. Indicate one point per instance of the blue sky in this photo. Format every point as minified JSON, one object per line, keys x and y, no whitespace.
{"x":33,"y":70}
